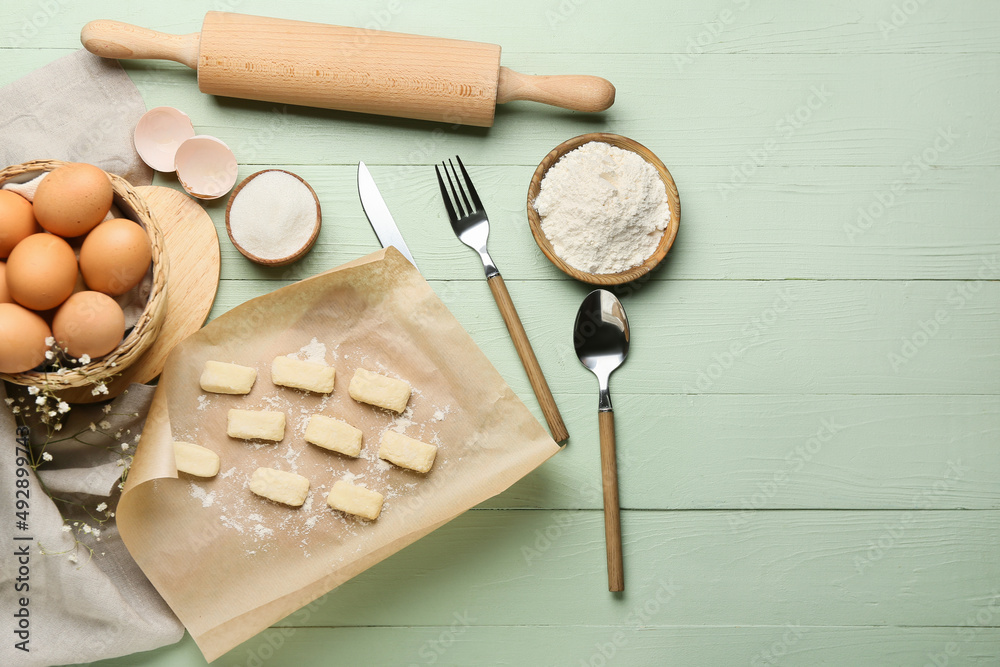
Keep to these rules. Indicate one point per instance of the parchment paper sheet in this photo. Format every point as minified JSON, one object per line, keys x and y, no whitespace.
{"x":230,"y":564}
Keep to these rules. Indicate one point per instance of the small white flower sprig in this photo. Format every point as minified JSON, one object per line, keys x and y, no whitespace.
{"x":43,"y":407}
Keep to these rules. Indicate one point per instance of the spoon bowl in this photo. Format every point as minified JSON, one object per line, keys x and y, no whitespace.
{"x":601,"y":338}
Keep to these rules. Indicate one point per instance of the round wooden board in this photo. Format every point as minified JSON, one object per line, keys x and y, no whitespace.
{"x":192,"y":247}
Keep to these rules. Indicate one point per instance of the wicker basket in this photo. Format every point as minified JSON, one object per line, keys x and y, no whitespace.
{"x":132,"y":206}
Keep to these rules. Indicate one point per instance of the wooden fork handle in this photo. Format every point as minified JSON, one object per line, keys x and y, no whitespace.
{"x":528,"y":360}
{"x":612,"y":518}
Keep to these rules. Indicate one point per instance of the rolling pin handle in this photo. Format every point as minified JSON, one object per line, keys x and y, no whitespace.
{"x":113,"y":39}
{"x":576,"y":92}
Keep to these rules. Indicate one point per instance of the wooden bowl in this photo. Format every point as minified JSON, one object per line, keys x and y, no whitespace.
{"x":145,"y":331}
{"x":281,"y":261}
{"x":669,"y":233}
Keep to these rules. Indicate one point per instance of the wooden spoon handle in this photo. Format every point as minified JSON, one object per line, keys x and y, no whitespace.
{"x":612,"y":519}
{"x":528,"y":360}
{"x":113,"y":39}
{"x":576,"y":92}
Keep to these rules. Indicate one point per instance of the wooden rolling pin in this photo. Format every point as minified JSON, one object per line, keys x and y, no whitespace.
{"x":350,"y":69}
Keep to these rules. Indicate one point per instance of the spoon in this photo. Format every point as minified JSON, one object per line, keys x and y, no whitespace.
{"x":601,"y":339}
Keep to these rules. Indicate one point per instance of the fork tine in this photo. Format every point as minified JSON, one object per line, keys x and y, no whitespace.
{"x":472,"y":188}
{"x":468,"y":205}
{"x":458,"y":202}
{"x":447,"y":200}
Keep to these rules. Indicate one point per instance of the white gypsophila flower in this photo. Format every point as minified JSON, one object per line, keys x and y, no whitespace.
{"x":124,"y":446}
{"x":9,"y":401}
{"x":85,"y":359}
{"x":52,"y":413}
{"x":102,"y":388}
{"x":72,"y":558}
{"x":102,"y":507}
{"x":46,"y":456}
{"x":33,"y":391}
{"x":118,"y":435}
{"x":40,"y":400}
{"x":16,"y":410}
{"x":66,"y":528}
{"x":137,"y":437}
{"x":104,"y":425}
{"x":63,"y":407}
{"x":50,"y":355}
{"x":106,"y":409}
{"x":96,"y":533}
{"x":112,"y":515}
{"x":50,"y":341}
{"x":57,"y":426}
{"x":93,"y":426}
{"x":87,"y":528}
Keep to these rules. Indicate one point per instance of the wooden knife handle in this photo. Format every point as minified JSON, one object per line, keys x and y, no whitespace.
{"x":528,"y":360}
{"x":569,"y":91}
{"x":612,"y":518}
{"x":113,"y":39}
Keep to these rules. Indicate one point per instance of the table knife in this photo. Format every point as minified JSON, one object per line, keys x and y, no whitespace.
{"x":378,"y":214}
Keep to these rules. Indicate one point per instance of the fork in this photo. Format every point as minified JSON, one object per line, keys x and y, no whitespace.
{"x":469,"y":221}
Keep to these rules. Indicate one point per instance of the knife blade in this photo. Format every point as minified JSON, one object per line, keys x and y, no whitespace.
{"x":378,"y":213}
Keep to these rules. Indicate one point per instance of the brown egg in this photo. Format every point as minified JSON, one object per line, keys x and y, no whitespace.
{"x":41,"y":272}
{"x":115,"y":256}
{"x":17,"y":221}
{"x":4,"y":292}
{"x":22,"y":339}
{"x":89,"y":323}
{"x":72,"y":200}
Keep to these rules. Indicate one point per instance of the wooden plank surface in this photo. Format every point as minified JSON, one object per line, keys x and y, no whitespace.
{"x":826,"y":491}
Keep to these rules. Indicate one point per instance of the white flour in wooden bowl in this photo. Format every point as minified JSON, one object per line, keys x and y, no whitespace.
{"x":602,"y":208}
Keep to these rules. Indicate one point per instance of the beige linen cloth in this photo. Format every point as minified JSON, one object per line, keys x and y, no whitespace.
{"x":78,"y":108}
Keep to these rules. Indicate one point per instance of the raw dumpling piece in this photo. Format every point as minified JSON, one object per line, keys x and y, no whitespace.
{"x":406,"y":452}
{"x":196,"y":460}
{"x":221,"y":378}
{"x":256,"y":425}
{"x":297,"y":374}
{"x":334,"y":435}
{"x":375,"y":389}
{"x":280,"y":486}
{"x":355,"y":500}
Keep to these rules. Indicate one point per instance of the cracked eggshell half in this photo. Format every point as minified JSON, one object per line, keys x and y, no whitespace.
{"x":158,"y":135}
{"x":205,"y":167}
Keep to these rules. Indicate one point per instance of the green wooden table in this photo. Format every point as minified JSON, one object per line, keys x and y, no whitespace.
{"x":809,"y":421}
